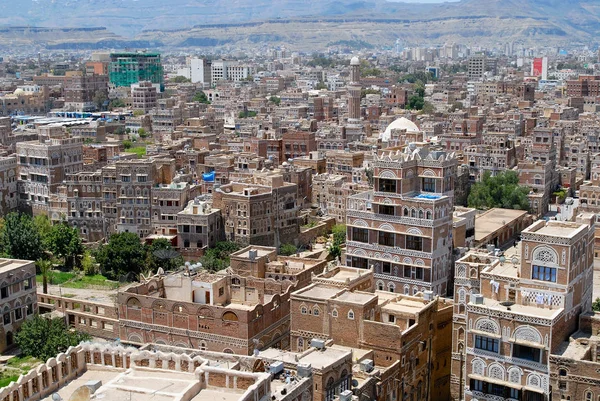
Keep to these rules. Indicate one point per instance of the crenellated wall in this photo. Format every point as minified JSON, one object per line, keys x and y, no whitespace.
{"x":56,"y":372}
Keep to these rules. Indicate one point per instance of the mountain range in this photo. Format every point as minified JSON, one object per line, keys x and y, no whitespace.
{"x":300,"y":24}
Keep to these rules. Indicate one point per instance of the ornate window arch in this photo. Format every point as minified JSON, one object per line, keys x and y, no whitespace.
{"x":514,"y":374}
{"x":496,"y":371}
{"x":487,"y":325}
{"x":478,"y":367}
{"x":528,"y":333}
{"x":534,"y":380}
{"x":545,"y":256}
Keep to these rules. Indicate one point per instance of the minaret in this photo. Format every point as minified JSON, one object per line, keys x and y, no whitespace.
{"x":354,"y":91}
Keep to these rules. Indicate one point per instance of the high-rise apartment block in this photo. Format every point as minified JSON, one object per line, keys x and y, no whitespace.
{"x":197,"y":70}
{"x":129,"y":68}
{"x":223,"y":70}
{"x":403,"y":228}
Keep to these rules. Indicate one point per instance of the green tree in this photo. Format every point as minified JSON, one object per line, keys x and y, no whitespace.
{"x":201,"y":97}
{"x":162,"y":254}
{"x":44,"y":338}
{"x":287,"y":249}
{"x":142,"y":133}
{"x":127,"y":144}
{"x":64,"y":241}
{"x":501,"y":191}
{"x":428,"y":108}
{"x":596,"y":305}
{"x":247,"y":114}
{"x":138,"y":113}
{"x":20,"y":238}
{"x":44,"y":266}
{"x":99,"y":99}
{"x":339,"y":234}
{"x":217,"y":258}
{"x":88,"y":264}
{"x":415,"y":102}
{"x":116,"y":103}
{"x":321,"y":86}
{"x":275,"y":99}
{"x":123,"y":254}
{"x":179,"y":79}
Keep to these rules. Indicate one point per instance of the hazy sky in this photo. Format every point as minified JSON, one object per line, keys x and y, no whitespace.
{"x":424,"y":1}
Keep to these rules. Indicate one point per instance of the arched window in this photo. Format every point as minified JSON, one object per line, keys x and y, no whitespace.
{"x":334,"y":313}
{"x":589,"y":396}
{"x":316,"y":311}
{"x":300,"y":344}
{"x":351,"y":315}
{"x":303,"y":310}
{"x":134,"y":303}
{"x":230,"y":316}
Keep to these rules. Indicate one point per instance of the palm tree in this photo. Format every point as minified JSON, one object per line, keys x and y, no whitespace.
{"x":44,"y":266}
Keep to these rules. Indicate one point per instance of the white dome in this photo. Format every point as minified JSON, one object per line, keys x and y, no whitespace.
{"x":400,"y":123}
{"x":354,"y":61}
{"x":19,"y":91}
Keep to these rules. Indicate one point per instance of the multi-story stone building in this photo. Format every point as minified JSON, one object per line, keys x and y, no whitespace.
{"x":81,"y":90}
{"x":8,"y":185}
{"x":18,"y":300}
{"x":134,"y":180}
{"x":81,"y":193}
{"x":199,"y":226}
{"x":540,"y":178}
{"x":344,"y":163}
{"x":512,"y":312}
{"x":409,"y":335}
{"x":261,"y":214}
{"x":43,"y":165}
{"x":235,"y":312}
{"x":167,"y":201}
{"x":144,"y":96}
{"x":404,"y":227}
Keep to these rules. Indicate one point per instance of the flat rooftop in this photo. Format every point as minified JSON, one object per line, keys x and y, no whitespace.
{"x":7,"y":265}
{"x":404,"y":305}
{"x":560,"y":229}
{"x":320,"y":359}
{"x":260,"y":252}
{"x":525,"y":310}
{"x":144,"y":384}
{"x":494,"y":220}
{"x":319,"y":292}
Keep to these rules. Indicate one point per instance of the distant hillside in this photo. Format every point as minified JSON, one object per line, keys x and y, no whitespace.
{"x":301,"y":24}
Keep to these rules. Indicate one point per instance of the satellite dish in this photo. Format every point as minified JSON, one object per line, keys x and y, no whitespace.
{"x":354,"y":383}
{"x":56,"y":397}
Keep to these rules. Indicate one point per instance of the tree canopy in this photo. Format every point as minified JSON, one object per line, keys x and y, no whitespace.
{"x":20,"y":238}
{"x":44,"y":338}
{"x":123,"y":254}
{"x":179,"y":79}
{"x":201,"y":97}
{"x":64,"y":241}
{"x":162,"y":254}
{"x":287,"y":249}
{"x":217,"y":258}
{"x":502,"y":191}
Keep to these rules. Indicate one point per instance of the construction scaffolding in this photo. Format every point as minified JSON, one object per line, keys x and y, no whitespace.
{"x":132,"y":67}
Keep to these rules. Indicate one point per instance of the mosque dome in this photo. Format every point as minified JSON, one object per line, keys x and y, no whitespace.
{"x":400,"y":123}
{"x":354,"y":61}
{"x":19,"y":92}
